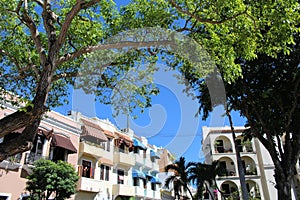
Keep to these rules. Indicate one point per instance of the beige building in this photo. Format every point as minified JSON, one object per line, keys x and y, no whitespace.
{"x":111,"y":164}
{"x":218,"y":144}
{"x":115,"y":164}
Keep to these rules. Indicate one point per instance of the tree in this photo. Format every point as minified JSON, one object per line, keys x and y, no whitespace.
{"x":201,"y":174}
{"x":43,"y":44}
{"x":267,"y":94}
{"x":50,"y":178}
{"x":180,"y":177}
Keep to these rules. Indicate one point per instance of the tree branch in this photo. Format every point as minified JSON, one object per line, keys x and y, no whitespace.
{"x":119,"y":45}
{"x":28,"y":21}
{"x":210,"y":21}
{"x":69,"y":18}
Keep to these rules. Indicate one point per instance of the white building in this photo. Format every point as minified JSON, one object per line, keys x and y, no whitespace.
{"x":217,"y":144}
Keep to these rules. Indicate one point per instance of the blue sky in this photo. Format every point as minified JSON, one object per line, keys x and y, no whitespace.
{"x":169,"y":123}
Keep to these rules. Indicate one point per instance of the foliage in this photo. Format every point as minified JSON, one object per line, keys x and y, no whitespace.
{"x":44,"y":43}
{"x":180,"y":168}
{"x":48,"y":178}
{"x":267,"y":94}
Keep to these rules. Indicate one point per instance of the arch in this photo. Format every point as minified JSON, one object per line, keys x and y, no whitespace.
{"x":223,"y":144}
{"x":249,"y":165}
{"x":228,"y":164}
{"x":253,"y":189}
{"x":230,"y":190}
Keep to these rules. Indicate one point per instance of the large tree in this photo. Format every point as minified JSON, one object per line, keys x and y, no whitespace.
{"x":268,"y":95}
{"x":44,"y":42}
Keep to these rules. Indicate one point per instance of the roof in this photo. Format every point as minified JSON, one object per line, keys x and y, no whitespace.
{"x":63,"y":142}
{"x":93,"y":130}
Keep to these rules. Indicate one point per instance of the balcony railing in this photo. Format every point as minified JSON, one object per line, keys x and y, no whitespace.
{"x":125,"y":190}
{"x":30,"y":158}
{"x":124,"y":159}
{"x":88,"y":184}
{"x":222,"y":149}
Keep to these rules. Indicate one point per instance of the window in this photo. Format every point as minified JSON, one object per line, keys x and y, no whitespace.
{"x":108,"y":144}
{"x":220,"y":146}
{"x":153,"y":186}
{"x":36,"y":151}
{"x":120,"y":176}
{"x":122,"y":148}
{"x":59,"y":154}
{"x":87,"y":170}
{"x":136,"y":150}
{"x":104,"y":172}
{"x":145,"y":153}
{"x":136,"y":181}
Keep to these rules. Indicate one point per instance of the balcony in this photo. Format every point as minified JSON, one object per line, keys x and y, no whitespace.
{"x":125,"y":190}
{"x":139,"y":191}
{"x":155,"y":166}
{"x":30,"y":158}
{"x":222,"y":145}
{"x":124,"y":159}
{"x":94,"y":149}
{"x":89,"y":185}
{"x":139,"y":159}
{"x":148,"y":163}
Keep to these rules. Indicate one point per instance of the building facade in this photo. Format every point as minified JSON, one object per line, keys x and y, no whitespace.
{"x":57,"y":139}
{"x":115,"y":164}
{"x":218,"y":144}
{"x":111,"y":164}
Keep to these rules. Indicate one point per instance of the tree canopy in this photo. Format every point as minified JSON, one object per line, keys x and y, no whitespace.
{"x":267,"y":94}
{"x":50,"y":178}
{"x":43,"y":44}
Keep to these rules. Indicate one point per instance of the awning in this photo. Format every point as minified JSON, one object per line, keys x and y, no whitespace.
{"x":63,"y":142}
{"x":123,"y":136}
{"x":139,"y":144}
{"x":109,"y":133}
{"x":154,"y":154}
{"x":93,"y":130}
{"x":155,"y":180}
{"x":138,"y":174}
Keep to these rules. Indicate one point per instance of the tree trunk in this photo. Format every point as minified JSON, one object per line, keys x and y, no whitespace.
{"x":210,"y":194}
{"x":239,"y":161}
{"x":29,"y":118}
{"x":283,"y":184}
{"x":296,"y":182}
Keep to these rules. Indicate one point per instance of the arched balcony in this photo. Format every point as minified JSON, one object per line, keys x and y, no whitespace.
{"x":249,"y":165}
{"x":253,"y":189}
{"x":227,"y":164}
{"x":222,"y":144}
{"x":230,"y":190}
{"x":244,"y":146}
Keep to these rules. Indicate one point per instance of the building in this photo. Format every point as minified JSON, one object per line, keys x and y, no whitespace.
{"x":111,"y":164}
{"x":115,"y":164}
{"x":57,"y":139}
{"x":218,"y":144}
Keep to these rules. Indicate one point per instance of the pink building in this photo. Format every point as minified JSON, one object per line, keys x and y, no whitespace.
{"x":57,"y":139}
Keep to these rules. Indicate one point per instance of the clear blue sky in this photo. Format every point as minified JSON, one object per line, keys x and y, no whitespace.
{"x":170,"y":122}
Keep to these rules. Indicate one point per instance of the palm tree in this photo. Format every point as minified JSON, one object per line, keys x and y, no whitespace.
{"x":180,"y":177}
{"x":200,"y":174}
